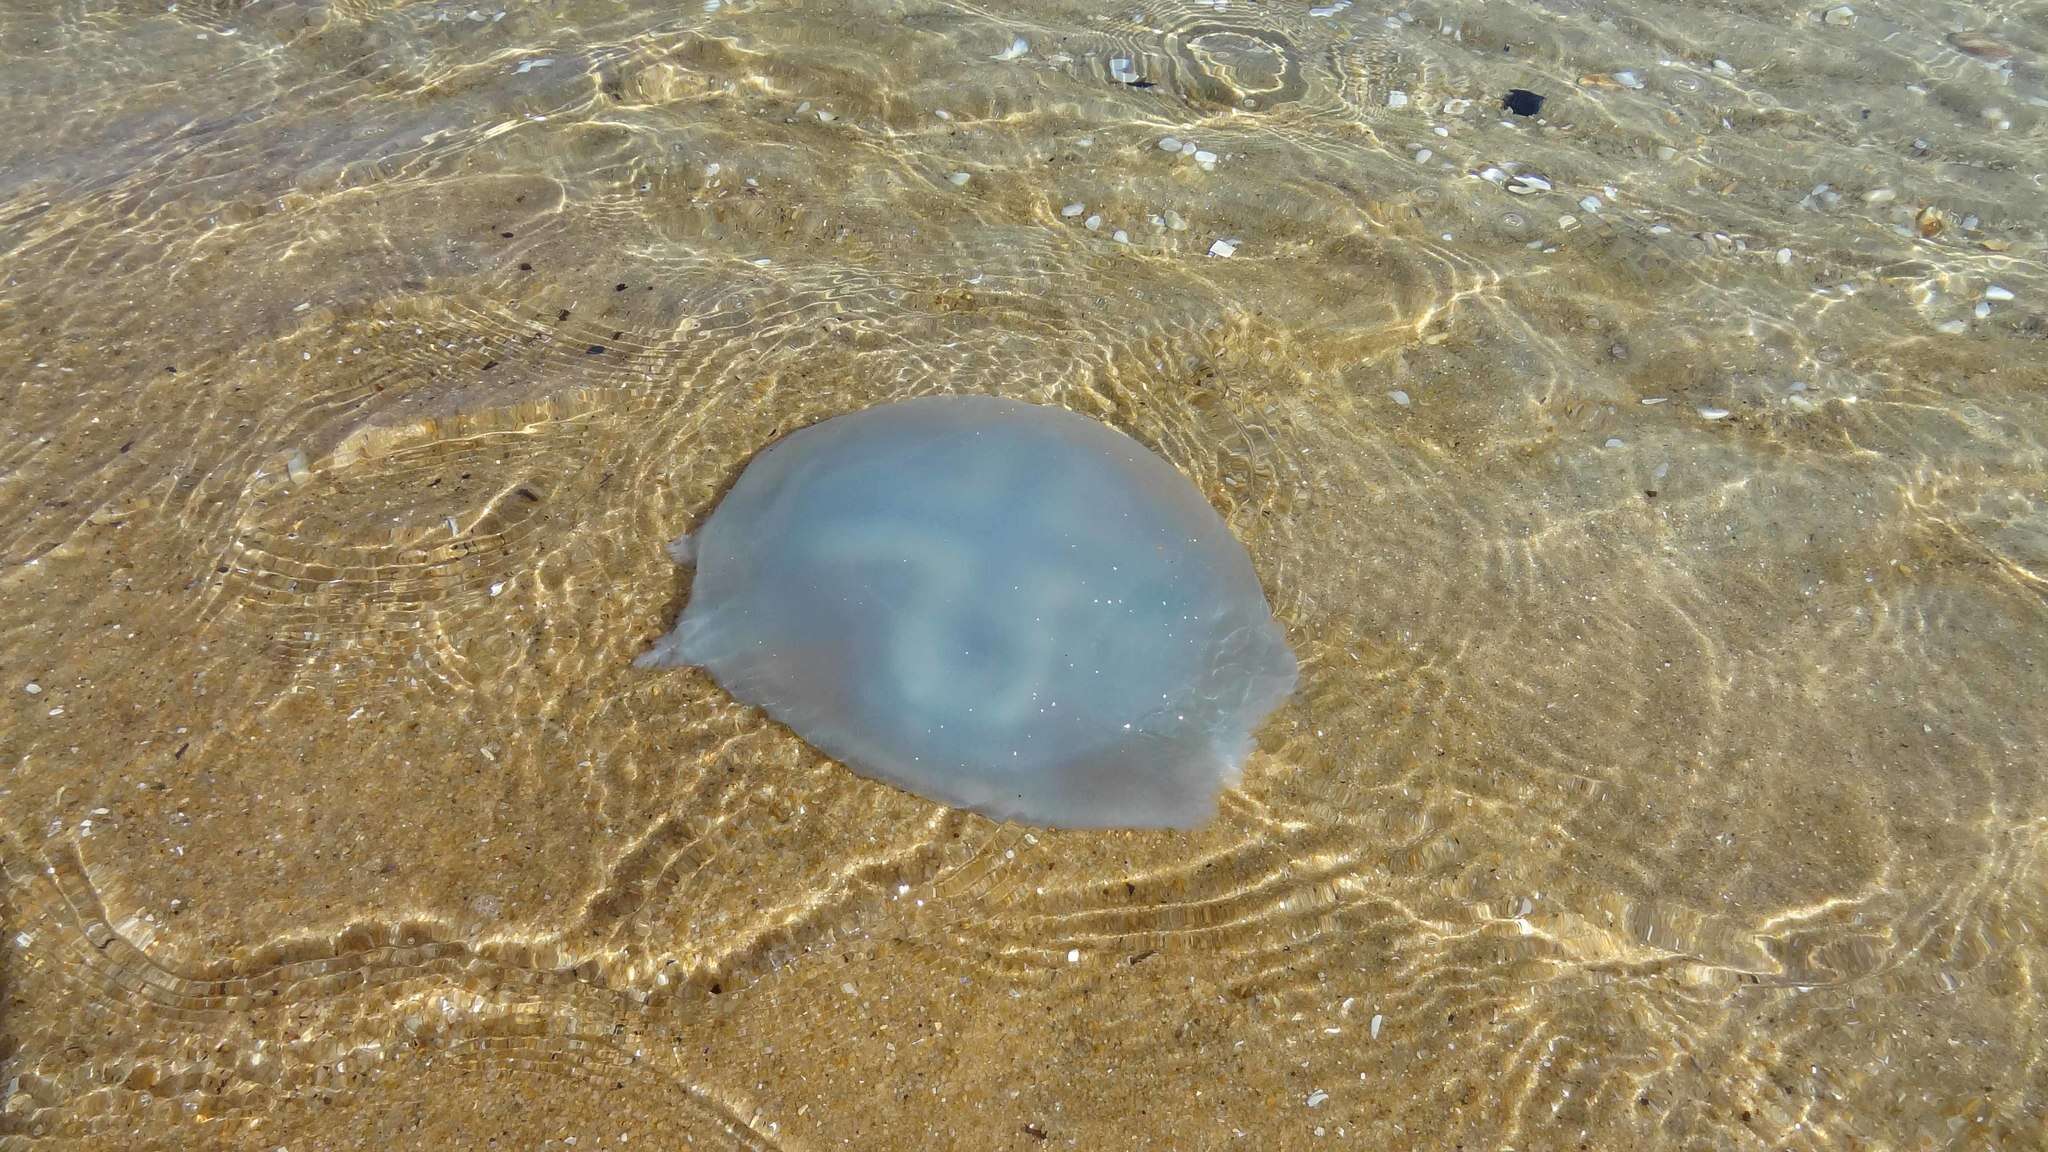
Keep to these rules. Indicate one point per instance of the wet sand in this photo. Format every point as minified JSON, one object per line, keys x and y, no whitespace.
{"x":1653,"y":489}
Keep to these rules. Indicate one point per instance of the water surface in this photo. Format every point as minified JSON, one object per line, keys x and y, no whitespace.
{"x":1664,"y":539}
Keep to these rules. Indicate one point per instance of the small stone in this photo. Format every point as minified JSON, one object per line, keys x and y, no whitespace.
{"x":1615,"y":442}
{"x":1996,"y":292}
{"x":1724,"y":68}
{"x":1169,"y":143}
{"x":1590,"y":203}
{"x":1375,"y":1027}
{"x":959,"y":179}
{"x":1981,"y":46}
{"x":1982,"y":309}
{"x":1397,"y":99}
{"x":1880,"y":196}
{"x":1073,"y":955}
{"x":1952,"y":327}
{"x":1714,"y":413}
{"x":1223,"y":248}
{"x":1176,"y":221}
{"x":1666,"y":152}
{"x":32,"y":688}
{"x":1628,"y":80}
{"x":1073,"y":210}
{"x":1317,"y":1097}
{"x":1120,"y":236}
{"x":1841,"y":16}
{"x":1204,"y":158}
{"x":1422,"y":155}
{"x":1784,"y":257}
{"x":1399,"y":397}
{"x":1525,"y":185}
{"x":1092,"y":223}
{"x":1457,"y":106}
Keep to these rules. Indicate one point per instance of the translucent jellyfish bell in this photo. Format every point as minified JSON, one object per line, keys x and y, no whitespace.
{"x":999,"y":606}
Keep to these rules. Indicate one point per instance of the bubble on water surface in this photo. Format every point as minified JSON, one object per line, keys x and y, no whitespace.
{"x":995,"y":605}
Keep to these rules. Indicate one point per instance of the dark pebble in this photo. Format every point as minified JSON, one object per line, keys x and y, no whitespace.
{"x":1522,"y":102}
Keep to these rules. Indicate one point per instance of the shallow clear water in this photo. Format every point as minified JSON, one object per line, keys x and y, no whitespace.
{"x":1664,"y":540}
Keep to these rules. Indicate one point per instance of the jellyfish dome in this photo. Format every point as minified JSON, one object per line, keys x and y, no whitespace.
{"x":995,"y":605}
